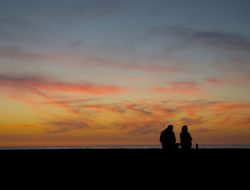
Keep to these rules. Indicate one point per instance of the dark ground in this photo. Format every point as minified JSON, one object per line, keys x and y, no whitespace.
{"x":127,"y":165}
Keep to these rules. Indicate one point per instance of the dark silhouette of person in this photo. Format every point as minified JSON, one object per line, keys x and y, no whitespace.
{"x":185,"y":138}
{"x":167,"y":138}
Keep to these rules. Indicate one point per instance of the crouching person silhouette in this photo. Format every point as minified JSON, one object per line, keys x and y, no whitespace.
{"x":167,"y":139}
{"x":185,"y":138}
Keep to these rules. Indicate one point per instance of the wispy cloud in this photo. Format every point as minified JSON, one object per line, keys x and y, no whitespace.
{"x":189,"y":36}
{"x":222,"y":40}
{"x":40,"y":86}
{"x":151,"y":67}
{"x":105,"y":107}
{"x":180,"y":87}
{"x":237,"y":81}
{"x":66,"y":105}
{"x":85,"y":88}
{"x":70,"y":105}
{"x":244,"y":121}
{"x":139,"y":109}
{"x":148,"y":118}
{"x":68,"y":58}
{"x":134,"y":127}
{"x":230,"y":107}
{"x":164,"y":110}
{"x":202,"y":130}
{"x":214,"y":81}
{"x":235,"y":66}
{"x":192,"y":121}
{"x":19,"y":54}
{"x":144,"y":131}
{"x":194,"y":108}
{"x":65,"y":126}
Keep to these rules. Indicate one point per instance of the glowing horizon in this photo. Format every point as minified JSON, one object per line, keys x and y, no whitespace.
{"x":87,"y":73}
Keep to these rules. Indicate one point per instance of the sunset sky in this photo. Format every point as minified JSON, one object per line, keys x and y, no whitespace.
{"x":114,"y":72}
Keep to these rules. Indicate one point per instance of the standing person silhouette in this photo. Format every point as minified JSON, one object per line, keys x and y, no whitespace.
{"x":185,"y":138}
{"x":167,"y":138}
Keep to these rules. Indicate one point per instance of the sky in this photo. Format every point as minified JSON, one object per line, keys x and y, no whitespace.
{"x":113,"y":72}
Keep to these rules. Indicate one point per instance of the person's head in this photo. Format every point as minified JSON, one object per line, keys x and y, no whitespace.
{"x":184,"y":129}
{"x":170,"y":127}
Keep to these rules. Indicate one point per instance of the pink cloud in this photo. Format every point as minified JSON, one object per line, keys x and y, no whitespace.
{"x":16,"y":53}
{"x":84,"y":60}
{"x":40,"y":86}
{"x":181,"y":87}
{"x":215,"y":81}
{"x":233,"y":81}
{"x":150,"y":67}
{"x":85,"y":88}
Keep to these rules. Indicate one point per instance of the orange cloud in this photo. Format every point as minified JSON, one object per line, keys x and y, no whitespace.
{"x":195,"y":108}
{"x":104,"y":107}
{"x":163,"y":110}
{"x":230,"y":106}
{"x":143,"y":127}
{"x":65,"y":105}
{"x":139,"y":109}
{"x":62,"y":126}
{"x":192,"y":121}
{"x":244,"y":121}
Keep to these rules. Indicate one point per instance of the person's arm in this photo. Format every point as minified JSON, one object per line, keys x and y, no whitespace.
{"x":190,"y":137}
{"x":161,"y":137}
